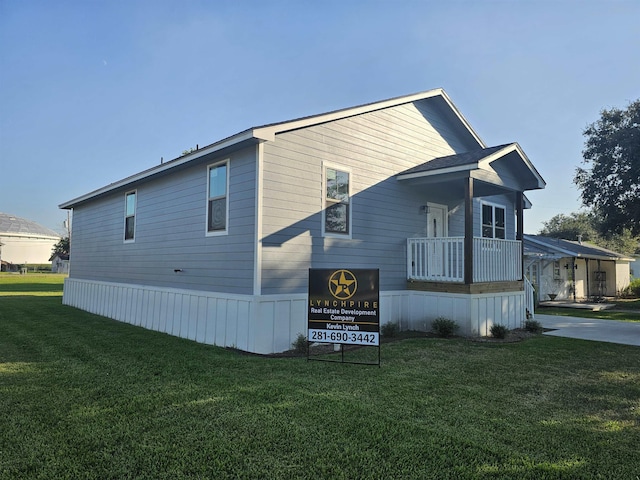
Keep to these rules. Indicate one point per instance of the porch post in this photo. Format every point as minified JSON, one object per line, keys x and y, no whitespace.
{"x":468,"y":231}
{"x":586,"y":263}
{"x":520,"y":228}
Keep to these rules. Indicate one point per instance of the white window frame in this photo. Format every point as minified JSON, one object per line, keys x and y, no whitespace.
{"x":493,"y":225}
{"x":325,"y":203}
{"x":556,"y":270}
{"x":127,"y":216}
{"x":214,"y":233}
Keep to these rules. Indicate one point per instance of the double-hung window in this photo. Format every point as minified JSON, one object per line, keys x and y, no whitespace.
{"x":337,"y":205}
{"x":217,"y":194}
{"x":493,"y":221}
{"x":130,"y":216}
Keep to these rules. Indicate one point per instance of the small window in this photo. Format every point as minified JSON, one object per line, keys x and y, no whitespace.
{"x":130,"y":217}
{"x":336,"y":202}
{"x":217,"y":207}
{"x":556,"y":270}
{"x":493,"y":221}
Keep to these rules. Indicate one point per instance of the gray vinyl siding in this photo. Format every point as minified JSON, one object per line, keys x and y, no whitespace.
{"x":170,"y":233}
{"x":374,"y":147}
{"x":456,"y":219}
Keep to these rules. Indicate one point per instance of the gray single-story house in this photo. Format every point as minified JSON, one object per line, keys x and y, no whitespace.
{"x":574,"y":270}
{"x":216,"y":245}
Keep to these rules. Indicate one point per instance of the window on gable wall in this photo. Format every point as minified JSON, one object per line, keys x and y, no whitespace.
{"x":217,"y":198}
{"x":130,"y":217}
{"x":337,"y":208}
{"x":493,"y":221}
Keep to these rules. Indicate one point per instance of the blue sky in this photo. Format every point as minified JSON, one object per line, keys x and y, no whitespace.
{"x":94,"y":91}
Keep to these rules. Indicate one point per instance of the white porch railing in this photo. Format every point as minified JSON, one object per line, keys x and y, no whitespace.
{"x":529,"y":298}
{"x":436,"y":259}
{"x":496,"y":260}
{"x":442,"y":259}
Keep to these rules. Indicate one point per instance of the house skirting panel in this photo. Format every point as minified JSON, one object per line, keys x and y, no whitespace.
{"x":253,"y":324}
{"x":270,"y":323}
{"x":474,"y":313}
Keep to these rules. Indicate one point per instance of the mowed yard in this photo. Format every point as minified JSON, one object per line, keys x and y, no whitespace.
{"x":86,"y":397}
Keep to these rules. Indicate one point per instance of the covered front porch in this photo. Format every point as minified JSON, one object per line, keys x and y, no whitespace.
{"x":443,"y":260}
{"x":482,"y":195}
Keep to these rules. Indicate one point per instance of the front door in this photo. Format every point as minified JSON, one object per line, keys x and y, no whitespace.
{"x":437,"y":228}
{"x":437,"y":220}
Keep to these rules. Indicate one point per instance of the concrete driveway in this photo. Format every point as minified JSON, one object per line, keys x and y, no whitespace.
{"x":627,"y":333}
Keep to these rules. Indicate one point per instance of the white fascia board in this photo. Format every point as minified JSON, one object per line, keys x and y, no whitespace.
{"x":515,"y":147}
{"x":441,"y":171}
{"x":268,"y":132}
{"x":227,"y":142}
{"x":462,"y":118}
{"x":541,"y":183}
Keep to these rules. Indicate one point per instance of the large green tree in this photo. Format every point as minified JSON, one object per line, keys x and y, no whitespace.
{"x":569,"y":227}
{"x":62,"y":247}
{"x":610,"y":182}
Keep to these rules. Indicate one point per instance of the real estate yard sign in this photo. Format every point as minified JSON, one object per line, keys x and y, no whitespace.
{"x":344,"y":306}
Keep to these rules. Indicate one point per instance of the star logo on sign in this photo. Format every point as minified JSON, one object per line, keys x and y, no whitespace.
{"x":343,"y":284}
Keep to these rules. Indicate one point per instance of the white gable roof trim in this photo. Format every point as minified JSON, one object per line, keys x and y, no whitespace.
{"x":458,"y":163}
{"x":245,"y":136}
{"x":269,"y":132}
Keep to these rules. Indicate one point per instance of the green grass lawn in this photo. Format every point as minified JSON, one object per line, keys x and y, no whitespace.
{"x":40,"y":284}
{"x":628,"y":304}
{"x":623,"y":316}
{"x":85,"y":397}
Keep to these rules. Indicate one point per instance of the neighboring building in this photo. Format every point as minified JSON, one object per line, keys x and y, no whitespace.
{"x":24,"y":241}
{"x":568,"y":270}
{"x":60,"y":263}
{"x":216,"y":245}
